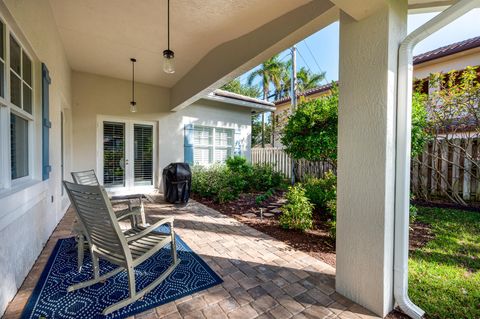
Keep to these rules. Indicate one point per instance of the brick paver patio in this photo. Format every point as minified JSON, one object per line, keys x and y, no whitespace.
{"x":263,"y":277}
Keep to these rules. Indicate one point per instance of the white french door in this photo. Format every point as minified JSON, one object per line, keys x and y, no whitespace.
{"x":126,"y":155}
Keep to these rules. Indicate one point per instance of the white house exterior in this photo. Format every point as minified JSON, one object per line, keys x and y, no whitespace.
{"x":85,"y":47}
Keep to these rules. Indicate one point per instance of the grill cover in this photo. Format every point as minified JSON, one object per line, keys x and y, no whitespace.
{"x":177,"y":181}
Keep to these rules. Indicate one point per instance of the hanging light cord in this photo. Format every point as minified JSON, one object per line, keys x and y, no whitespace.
{"x":168,"y":24}
{"x":133,"y":81}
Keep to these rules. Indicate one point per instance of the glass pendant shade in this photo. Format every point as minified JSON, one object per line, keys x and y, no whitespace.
{"x":168,"y":61}
{"x":133,"y":107}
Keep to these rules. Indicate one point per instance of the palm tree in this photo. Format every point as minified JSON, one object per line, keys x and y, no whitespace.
{"x":270,"y":72}
{"x":306,"y":79}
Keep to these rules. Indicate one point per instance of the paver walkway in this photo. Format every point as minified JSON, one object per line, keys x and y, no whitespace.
{"x":263,"y":277}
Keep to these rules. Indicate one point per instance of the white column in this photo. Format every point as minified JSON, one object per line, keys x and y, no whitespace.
{"x":366,"y":155}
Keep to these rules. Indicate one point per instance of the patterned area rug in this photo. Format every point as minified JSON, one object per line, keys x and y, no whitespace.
{"x":50,"y":298}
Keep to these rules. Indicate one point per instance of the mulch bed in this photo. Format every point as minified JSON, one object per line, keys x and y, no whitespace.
{"x":316,"y":242}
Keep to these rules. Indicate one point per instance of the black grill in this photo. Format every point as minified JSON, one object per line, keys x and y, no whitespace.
{"x":177,"y":181}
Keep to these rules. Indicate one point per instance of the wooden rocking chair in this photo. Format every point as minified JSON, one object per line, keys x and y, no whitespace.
{"x":89,"y":177}
{"x":107,"y":241}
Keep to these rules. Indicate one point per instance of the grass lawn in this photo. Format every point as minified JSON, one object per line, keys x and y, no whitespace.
{"x":444,"y":275}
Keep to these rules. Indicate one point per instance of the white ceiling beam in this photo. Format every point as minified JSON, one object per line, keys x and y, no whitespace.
{"x":231,"y":59}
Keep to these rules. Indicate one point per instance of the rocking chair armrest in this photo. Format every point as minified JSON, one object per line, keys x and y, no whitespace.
{"x":152,"y":228}
{"x":127,"y":213}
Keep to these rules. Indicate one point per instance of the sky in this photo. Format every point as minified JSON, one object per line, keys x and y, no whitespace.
{"x":319,"y":52}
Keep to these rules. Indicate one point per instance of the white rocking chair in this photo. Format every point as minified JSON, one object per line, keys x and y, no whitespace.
{"x":107,"y":241}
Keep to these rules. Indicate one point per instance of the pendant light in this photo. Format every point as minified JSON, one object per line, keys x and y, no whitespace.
{"x":168,"y":55}
{"x":133,"y":104}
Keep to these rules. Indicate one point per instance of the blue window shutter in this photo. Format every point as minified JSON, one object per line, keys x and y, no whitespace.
{"x":188,"y":144}
{"x":46,"y":168}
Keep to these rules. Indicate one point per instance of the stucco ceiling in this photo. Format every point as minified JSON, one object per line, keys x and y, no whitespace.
{"x":100,"y":36}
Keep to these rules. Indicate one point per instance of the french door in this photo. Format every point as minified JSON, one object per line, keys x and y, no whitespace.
{"x":127,"y":155}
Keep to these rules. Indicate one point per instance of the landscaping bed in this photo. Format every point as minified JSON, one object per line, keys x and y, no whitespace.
{"x":317,"y":242}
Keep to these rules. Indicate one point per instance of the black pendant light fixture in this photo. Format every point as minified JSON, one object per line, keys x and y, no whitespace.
{"x":168,"y":55}
{"x":133,"y":104}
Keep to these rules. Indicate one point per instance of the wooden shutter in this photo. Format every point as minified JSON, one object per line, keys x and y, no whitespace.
{"x":46,"y":125}
{"x":188,"y":144}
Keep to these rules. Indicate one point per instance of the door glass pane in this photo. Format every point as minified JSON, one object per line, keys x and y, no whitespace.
{"x":113,"y":154}
{"x":15,"y":55}
{"x":18,"y":146}
{"x":143,"y":154}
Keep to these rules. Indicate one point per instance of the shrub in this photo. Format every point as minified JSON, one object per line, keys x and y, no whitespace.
{"x":263,"y":177}
{"x":320,"y":191}
{"x":297,"y":213}
{"x":217,"y":182}
{"x":332,"y":222}
{"x":263,"y":197}
{"x":224,"y":183}
{"x":238,"y":164}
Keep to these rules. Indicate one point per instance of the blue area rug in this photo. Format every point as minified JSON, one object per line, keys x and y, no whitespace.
{"x":50,"y":298}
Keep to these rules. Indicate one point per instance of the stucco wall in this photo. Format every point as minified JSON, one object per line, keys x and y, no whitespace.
{"x":31,"y":211}
{"x":95,"y":96}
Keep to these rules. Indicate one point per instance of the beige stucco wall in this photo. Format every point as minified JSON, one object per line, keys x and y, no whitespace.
{"x":31,"y":211}
{"x":456,"y":61}
{"x":102,"y":97}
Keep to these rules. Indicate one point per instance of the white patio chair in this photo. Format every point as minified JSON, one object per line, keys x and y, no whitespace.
{"x":89,"y":177}
{"x":107,"y":241}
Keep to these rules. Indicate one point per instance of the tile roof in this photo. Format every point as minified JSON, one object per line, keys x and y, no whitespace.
{"x":447,"y":50}
{"x":318,"y":89}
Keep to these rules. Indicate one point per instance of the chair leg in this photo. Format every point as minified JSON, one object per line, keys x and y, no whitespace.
{"x":96,"y":267}
{"x":80,"y":251}
{"x":131,"y":281}
{"x":173,"y":244}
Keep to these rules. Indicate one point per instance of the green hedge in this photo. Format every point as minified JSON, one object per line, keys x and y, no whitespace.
{"x":223,"y":183}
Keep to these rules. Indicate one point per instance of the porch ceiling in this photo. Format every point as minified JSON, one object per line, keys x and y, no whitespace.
{"x":101,"y":36}
{"x":214,"y":40}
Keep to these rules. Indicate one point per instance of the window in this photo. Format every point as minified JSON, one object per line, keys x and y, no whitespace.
{"x":212,"y":145}
{"x":16,"y":96}
{"x":18,"y":146}
{"x":20,"y":77}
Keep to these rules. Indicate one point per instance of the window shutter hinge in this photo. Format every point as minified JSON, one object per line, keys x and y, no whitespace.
{"x":47,"y":123}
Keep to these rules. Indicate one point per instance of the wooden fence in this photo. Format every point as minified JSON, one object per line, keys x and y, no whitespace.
{"x":283,"y":163}
{"x":441,"y":171}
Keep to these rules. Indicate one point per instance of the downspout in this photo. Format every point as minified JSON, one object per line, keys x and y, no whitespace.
{"x":403,"y":148}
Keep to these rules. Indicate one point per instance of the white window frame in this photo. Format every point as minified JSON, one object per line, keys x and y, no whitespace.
{"x":213,"y":146}
{"x":7,"y":108}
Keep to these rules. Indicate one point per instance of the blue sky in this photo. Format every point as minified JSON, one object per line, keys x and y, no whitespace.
{"x":319,"y":52}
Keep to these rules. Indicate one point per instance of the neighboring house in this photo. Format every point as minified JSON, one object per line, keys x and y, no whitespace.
{"x":456,"y":56}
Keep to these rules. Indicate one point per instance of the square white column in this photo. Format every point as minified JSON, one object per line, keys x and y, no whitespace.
{"x":366,"y":155}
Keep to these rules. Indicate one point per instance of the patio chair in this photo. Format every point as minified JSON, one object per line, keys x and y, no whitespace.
{"x":107,"y":241}
{"x":89,"y":177}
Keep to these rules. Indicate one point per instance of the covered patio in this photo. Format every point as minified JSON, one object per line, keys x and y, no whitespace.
{"x":262,"y":277}
{"x":65,"y":103}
